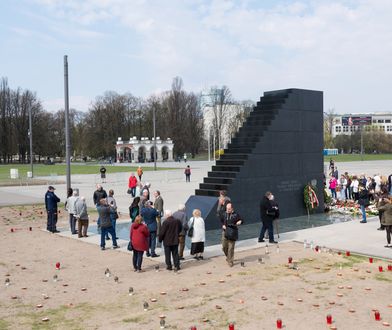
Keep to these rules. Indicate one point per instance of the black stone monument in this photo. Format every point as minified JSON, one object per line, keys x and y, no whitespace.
{"x":279,"y":148}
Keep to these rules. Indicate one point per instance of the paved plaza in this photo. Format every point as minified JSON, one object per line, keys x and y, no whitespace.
{"x":353,"y":236}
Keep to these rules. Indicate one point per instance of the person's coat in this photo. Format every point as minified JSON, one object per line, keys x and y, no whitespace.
{"x":139,"y":235}
{"x":199,"y":231}
{"x":386,"y":218}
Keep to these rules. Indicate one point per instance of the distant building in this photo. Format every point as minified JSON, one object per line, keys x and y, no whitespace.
{"x":348,"y":124}
{"x":141,"y":151}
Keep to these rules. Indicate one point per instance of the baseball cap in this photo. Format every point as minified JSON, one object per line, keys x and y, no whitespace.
{"x":51,"y":188}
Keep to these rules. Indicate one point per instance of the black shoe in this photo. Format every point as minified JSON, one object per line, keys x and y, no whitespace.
{"x":363,"y":221}
{"x":182,"y":258}
{"x":102,"y":248}
{"x":115,"y":247}
{"x":195,"y":257}
{"x":261,"y":240}
{"x":169,"y":268}
{"x":148,"y":254}
{"x":273,"y":242}
{"x":155,"y":255}
{"x":107,"y":238}
{"x":201,"y":258}
{"x":56,"y":231}
{"x":381,"y":228}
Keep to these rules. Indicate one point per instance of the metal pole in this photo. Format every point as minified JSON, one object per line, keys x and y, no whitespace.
{"x":155,"y":139}
{"x":209,"y":147}
{"x":361,"y":126}
{"x":31,"y":140}
{"x":214,"y":145}
{"x":66,"y":115}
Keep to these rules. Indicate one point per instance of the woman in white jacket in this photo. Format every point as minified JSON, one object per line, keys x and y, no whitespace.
{"x":199,"y":234}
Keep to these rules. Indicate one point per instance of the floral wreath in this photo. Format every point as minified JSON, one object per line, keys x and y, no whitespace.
{"x":310,"y":197}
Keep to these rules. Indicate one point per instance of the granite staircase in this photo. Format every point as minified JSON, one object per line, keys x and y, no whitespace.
{"x":235,"y":156}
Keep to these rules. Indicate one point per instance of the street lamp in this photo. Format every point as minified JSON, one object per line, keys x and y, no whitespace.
{"x":30,"y":134}
{"x":155,"y":138}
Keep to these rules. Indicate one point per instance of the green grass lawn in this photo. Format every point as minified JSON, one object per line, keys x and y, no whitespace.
{"x":60,"y":169}
{"x":357,"y":157}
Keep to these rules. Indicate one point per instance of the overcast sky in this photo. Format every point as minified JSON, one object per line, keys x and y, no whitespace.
{"x":341,"y":47}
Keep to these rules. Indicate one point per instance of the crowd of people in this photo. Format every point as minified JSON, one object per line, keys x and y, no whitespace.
{"x":364,"y":190}
{"x":151,"y":226}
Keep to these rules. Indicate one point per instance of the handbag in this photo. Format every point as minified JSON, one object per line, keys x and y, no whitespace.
{"x":130,"y":247}
{"x":190,"y":230}
{"x":129,"y":191}
{"x":231,"y":233}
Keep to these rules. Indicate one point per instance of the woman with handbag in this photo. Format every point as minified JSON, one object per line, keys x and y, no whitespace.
{"x":138,"y":235}
{"x":197,"y":233}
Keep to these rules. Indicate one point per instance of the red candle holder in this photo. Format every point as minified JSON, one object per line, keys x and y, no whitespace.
{"x":377,"y":316}
{"x":20,"y":213}
{"x":348,"y":253}
{"x":371,"y":260}
{"x":193,"y":328}
{"x":316,"y":248}
{"x":12,"y":230}
{"x":290,"y":260}
{"x":30,"y":228}
{"x":390,"y":267}
{"x":380,"y":269}
{"x":329,"y":319}
{"x":279,"y":324}
{"x":339,"y":253}
{"x":57,"y":265}
{"x":231,"y":326}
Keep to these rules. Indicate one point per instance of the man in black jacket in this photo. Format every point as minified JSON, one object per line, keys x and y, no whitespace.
{"x":230,"y":232}
{"x":51,"y":201}
{"x":170,"y":231}
{"x":268,"y":212}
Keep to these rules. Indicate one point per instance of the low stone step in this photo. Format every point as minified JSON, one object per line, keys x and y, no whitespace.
{"x":238,"y":150}
{"x":214,"y":186}
{"x":226,"y":168}
{"x":234,"y":156}
{"x":218,"y":180}
{"x":226,"y":174}
{"x":230,"y":162}
{"x":206,"y":192}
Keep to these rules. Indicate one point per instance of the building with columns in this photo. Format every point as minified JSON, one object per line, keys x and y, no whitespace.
{"x":141,"y":151}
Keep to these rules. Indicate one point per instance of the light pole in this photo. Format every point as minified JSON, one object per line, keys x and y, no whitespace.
{"x":155,"y":138}
{"x":30,"y":133}
{"x":361,"y":127}
{"x":66,"y":114}
{"x":209,"y":147}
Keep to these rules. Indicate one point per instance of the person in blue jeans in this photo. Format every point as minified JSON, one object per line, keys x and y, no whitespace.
{"x":149,"y":215}
{"x":113,"y":212}
{"x":363,"y":201}
{"x":106,"y":224}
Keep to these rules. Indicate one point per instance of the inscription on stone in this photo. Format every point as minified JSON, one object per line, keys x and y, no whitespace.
{"x":289,"y":185}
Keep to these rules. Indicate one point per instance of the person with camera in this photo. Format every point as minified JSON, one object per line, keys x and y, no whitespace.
{"x":230,"y":232}
{"x":268,"y":212}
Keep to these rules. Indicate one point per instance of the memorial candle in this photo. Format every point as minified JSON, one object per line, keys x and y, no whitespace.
{"x":329,"y":319}
{"x":380,"y":269}
{"x":57,"y":265}
{"x":279,"y":324}
{"x":290,"y":260}
{"x":377,"y":316}
{"x":371,"y":260}
{"x":231,"y":326}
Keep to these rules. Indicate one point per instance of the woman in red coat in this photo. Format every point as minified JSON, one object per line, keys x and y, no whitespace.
{"x":139,"y":235}
{"x":132,"y":183}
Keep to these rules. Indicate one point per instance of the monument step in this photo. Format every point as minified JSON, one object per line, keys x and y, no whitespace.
{"x":226,"y":175}
{"x":218,"y":180}
{"x":206,"y":192}
{"x":241,"y":146}
{"x":230,"y":162}
{"x":214,"y":186}
{"x":245,"y":139}
{"x":237,"y":150}
{"x":226,"y":168}
{"x":234,"y":156}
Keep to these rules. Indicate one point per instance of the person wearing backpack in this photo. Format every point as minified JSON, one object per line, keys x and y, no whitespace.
{"x":187,"y":173}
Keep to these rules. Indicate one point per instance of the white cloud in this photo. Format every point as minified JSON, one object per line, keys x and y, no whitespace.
{"x":342,"y":47}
